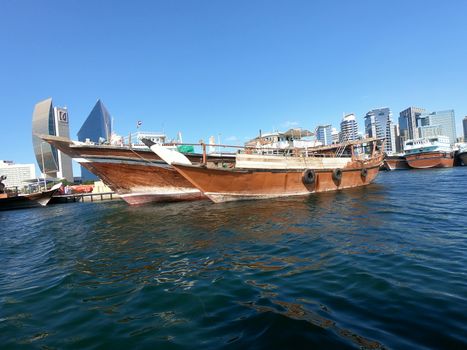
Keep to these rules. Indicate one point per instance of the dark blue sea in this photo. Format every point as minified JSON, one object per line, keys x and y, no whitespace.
{"x":381,"y":267}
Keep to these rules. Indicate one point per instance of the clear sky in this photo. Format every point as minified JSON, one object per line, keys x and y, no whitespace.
{"x":227,"y":67}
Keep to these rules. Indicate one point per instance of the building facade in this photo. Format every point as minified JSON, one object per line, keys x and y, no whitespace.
{"x":349,"y":128}
{"x":16,"y":174}
{"x":96,"y":128}
{"x":408,"y":123}
{"x":378,"y":124}
{"x":324,"y":134}
{"x":48,"y":120}
{"x":441,"y":122}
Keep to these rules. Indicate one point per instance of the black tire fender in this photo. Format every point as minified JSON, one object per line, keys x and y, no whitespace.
{"x":364,"y":172}
{"x":309,"y":177}
{"x":337,"y":175}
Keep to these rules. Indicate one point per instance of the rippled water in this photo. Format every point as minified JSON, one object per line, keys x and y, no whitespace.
{"x":379,"y":267}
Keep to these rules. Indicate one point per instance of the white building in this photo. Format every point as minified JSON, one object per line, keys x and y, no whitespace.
{"x":349,"y":128}
{"x":378,"y":123}
{"x":16,"y":174}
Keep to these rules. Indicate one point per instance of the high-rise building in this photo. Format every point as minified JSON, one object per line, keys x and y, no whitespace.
{"x":441,"y":122}
{"x":48,"y":120}
{"x":324,"y":134}
{"x":335,"y":135}
{"x":378,"y":123}
{"x":349,"y":128}
{"x":16,"y":174}
{"x":96,"y":128}
{"x":408,"y":123}
{"x":464,"y":124}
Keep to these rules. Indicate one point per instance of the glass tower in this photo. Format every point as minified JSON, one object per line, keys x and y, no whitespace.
{"x":96,"y":128}
{"x":47,"y":120}
{"x":324,"y":134}
{"x":378,"y":123}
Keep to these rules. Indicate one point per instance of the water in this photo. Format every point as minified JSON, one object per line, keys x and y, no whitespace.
{"x":382,"y":267}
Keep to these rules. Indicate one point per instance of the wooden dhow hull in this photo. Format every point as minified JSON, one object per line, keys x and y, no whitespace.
{"x":222,"y":185}
{"x":430,"y":160}
{"x":33,"y":200}
{"x":138,"y":176}
{"x":395,"y":163}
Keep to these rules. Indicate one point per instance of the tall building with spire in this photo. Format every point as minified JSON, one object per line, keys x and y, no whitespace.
{"x":96,"y":128}
{"x":378,"y":123}
{"x":49,"y":120}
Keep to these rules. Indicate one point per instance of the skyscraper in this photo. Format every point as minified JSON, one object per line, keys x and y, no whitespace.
{"x":97,"y":127}
{"x":408,"y":123}
{"x":324,"y":134}
{"x":48,"y":120}
{"x":441,"y":122}
{"x":464,"y":124}
{"x":378,"y":123}
{"x":349,"y":128}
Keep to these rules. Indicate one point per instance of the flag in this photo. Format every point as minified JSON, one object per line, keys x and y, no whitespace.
{"x":138,"y":124}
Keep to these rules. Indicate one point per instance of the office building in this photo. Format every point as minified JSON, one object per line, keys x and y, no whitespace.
{"x":324,"y":134}
{"x":96,"y":128}
{"x":408,"y":123}
{"x":349,"y":128}
{"x":441,"y":122}
{"x":378,"y":124}
{"x":16,"y":174}
{"x":464,"y":124}
{"x":48,"y":120}
{"x":335,"y":135}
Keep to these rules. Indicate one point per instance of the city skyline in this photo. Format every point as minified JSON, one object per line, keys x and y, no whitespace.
{"x":227,"y":69}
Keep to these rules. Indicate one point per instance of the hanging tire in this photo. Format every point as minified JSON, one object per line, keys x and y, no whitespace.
{"x":364,"y":172}
{"x":309,"y":177}
{"x":337,"y":175}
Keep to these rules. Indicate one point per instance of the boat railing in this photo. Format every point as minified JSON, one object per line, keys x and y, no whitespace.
{"x":358,"y":149}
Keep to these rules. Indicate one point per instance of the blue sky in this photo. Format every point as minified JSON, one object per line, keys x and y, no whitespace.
{"x":227,"y":67}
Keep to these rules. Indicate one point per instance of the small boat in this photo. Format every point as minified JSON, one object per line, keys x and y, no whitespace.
{"x":395,"y":162}
{"x":462,"y":154}
{"x":11,"y":200}
{"x":136,"y":174}
{"x":293,"y":172}
{"x":429,"y":152}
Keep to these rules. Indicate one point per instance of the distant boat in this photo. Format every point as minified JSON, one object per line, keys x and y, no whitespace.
{"x":136,"y":174}
{"x":395,"y":162}
{"x":9,"y":201}
{"x":462,"y":154}
{"x":294,"y":172}
{"x":429,"y":152}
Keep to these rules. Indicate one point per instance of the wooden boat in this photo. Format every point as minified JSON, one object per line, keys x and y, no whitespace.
{"x":136,"y":174}
{"x":9,"y":200}
{"x":395,"y":162}
{"x":432,"y":152}
{"x":300,"y":172}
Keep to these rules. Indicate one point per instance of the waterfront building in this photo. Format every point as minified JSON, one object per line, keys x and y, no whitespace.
{"x":464,"y":124}
{"x":324,"y":134}
{"x":335,"y":135}
{"x":408,"y":123}
{"x":349,"y":128}
{"x":48,"y":120}
{"x":443,"y":122}
{"x":378,"y":123}
{"x":16,"y":174}
{"x":96,"y":128}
